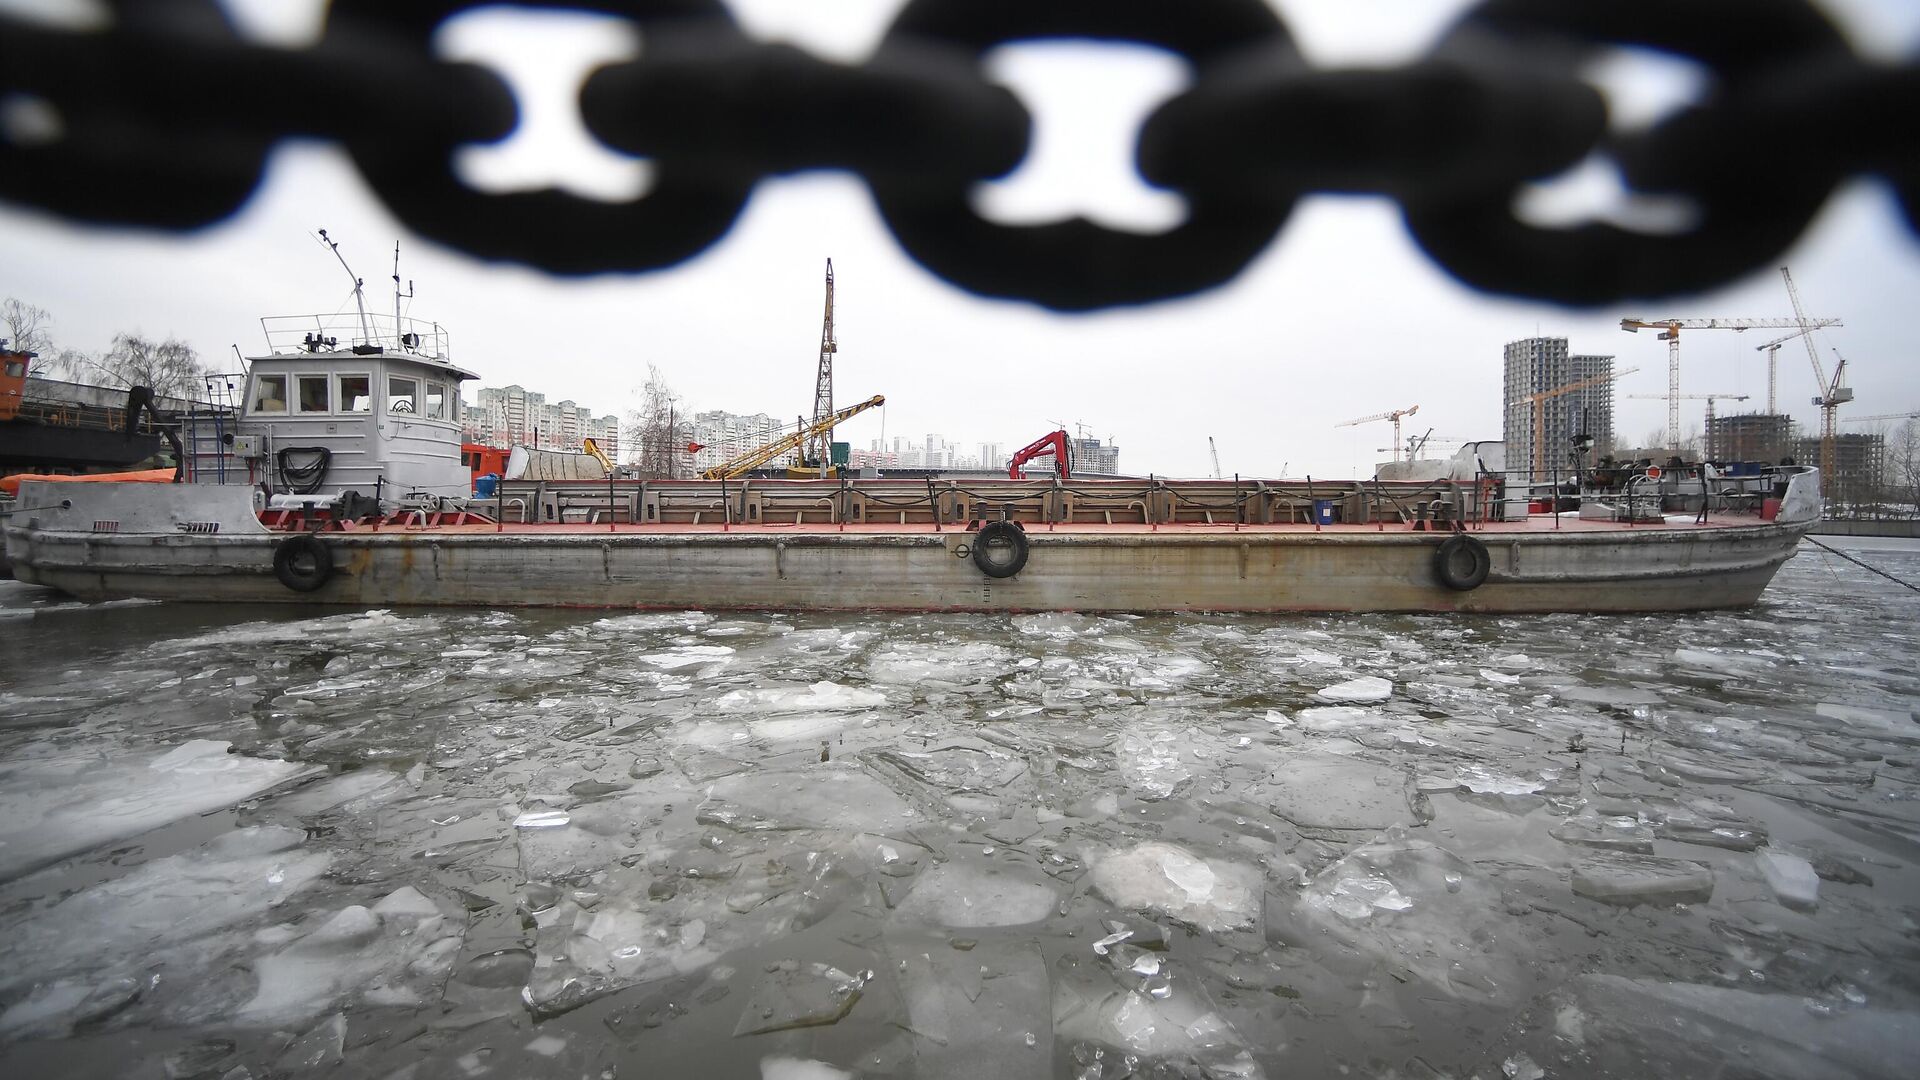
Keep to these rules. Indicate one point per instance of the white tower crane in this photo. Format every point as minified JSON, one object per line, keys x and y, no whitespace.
{"x":1394,"y":416}
{"x":1670,"y":333}
{"x":1772,"y":349}
{"x":1832,"y":394}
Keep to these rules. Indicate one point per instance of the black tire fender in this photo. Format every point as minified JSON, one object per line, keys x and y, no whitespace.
{"x":1000,"y":549}
{"x":302,"y":562}
{"x":1461,"y":562}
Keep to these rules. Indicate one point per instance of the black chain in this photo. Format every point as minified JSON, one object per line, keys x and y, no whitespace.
{"x":167,"y":118}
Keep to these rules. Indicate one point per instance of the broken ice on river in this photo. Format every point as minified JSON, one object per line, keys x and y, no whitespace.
{"x":249,"y":843}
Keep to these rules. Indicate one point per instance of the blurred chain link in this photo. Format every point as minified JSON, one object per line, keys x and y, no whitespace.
{"x":167,"y":117}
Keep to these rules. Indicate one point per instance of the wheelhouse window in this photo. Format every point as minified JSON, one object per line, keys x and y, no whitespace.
{"x":356,"y":393}
{"x":313,"y":393}
{"x":437,"y":401}
{"x":403,"y":395}
{"x":270,"y":394}
{"x":16,"y":368}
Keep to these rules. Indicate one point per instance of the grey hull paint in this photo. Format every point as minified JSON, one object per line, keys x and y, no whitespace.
{"x":180,"y":542}
{"x":1651,"y":569}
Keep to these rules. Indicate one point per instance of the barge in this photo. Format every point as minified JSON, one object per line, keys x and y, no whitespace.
{"x":339,"y":480}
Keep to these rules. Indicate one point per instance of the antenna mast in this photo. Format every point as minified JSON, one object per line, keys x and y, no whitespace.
{"x":359,"y":295}
{"x":821,"y":444}
{"x":399,"y":330}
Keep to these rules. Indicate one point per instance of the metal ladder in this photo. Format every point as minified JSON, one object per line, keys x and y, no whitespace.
{"x":209,"y":422}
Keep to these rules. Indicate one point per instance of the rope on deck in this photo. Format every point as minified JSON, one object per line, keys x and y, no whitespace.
{"x":1858,"y":563}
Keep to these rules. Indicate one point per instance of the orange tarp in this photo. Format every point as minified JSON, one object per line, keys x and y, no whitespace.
{"x":10,"y":485}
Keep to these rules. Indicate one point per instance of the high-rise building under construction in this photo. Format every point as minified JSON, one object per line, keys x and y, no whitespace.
{"x":1538,"y":364}
{"x":1752,"y":437}
{"x":1859,"y":466}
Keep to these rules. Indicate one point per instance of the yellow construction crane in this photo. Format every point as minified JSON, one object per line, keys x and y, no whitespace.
{"x":592,"y":449}
{"x":753,"y":459}
{"x":1539,"y":403}
{"x":1772,"y":349}
{"x":1832,"y":394}
{"x":1394,"y":416}
{"x":1670,"y":333}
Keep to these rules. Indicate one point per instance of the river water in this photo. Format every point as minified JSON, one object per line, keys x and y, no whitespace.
{"x":251,"y":842}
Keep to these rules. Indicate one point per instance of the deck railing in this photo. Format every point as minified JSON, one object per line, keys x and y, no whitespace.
{"x":1152,"y":502}
{"x":287,"y":334}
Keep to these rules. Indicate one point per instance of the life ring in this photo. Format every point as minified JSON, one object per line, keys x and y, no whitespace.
{"x":302,"y":562}
{"x":1000,"y":549}
{"x":1461,"y":562}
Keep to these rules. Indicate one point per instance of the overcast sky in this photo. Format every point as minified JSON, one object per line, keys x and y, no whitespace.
{"x":1342,"y":317}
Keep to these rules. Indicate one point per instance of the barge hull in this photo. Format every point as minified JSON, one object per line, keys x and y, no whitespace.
{"x":1534,"y":568}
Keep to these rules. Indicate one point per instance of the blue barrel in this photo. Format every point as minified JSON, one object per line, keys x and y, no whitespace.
{"x":483,"y":486}
{"x":1323,"y":511}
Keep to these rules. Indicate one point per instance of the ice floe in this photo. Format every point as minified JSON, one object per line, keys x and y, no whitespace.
{"x":1333,"y":791}
{"x":821,"y":696}
{"x":1418,"y":907}
{"x":969,"y":895}
{"x":63,"y":804}
{"x":1626,"y":879}
{"x":1363,"y":689}
{"x":396,"y":952}
{"x":1792,"y":879}
{"x":170,"y":917}
{"x":1212,"y":894}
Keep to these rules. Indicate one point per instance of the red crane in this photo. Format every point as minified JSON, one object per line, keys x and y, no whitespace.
{"x":1053,"y":442}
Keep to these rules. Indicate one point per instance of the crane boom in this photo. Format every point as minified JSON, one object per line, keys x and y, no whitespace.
{"x":1215,"y":451}
{"x":1670,"y":333}
{"x":1812,"y":325}
{"x":1710,"y":324}
{"x":753,"y":459}
{"x":1053,"y":442}
{"x":1806,"y":326}
{"x":1772,"y":349}
{"x":592,"y":449}
{"x":1539,"y":403}
{"x":1832,"y":394}
{"x":1393,"y":415}
{"x":1408,"y":411}
{"x":1883,"y":416}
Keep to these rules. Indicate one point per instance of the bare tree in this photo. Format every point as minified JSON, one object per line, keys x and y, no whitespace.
{"x":70,"y":365}
{"x":1693,"y":445}
{"x":1653,"y":445}
{"x":24,"y":326}
{"x":1903,"y":459}
{"x":655,"y":429}
{"x":170,"y":367}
